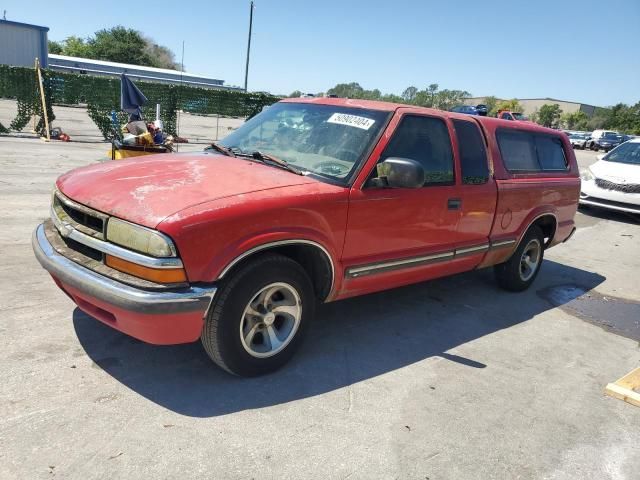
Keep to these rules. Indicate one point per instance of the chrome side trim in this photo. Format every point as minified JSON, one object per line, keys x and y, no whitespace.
{"x":502,"y":243}
{"x":397,"y":264}
{"x":280,"y":243}
{"x":115,"y":293}
{"x":474,"y":249}
{"x":67,"y":230}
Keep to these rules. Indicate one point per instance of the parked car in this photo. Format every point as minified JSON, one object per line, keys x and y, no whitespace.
{"x":482,"y":110}
{"x":578,"y":140}
{"x":594,"y":142}
{"x":607,"y":142}
{"x":613,"y":182}
{"x":310,"y":201}
{"x":467,"y":109}
{"x":507,"y":115}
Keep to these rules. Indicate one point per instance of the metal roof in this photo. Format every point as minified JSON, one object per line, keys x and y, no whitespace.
{"x":20,"y":24}
{"x":54,"y":57}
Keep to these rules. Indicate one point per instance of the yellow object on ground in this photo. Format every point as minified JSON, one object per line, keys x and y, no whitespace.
{"x":627,"y":388}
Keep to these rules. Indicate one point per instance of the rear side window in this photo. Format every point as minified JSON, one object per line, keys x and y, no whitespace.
{"x":473,"y":155}
{"x":518,"y":151}
{"x":531,"y":152}
{"x":550,"y":153}
{"x":425,"y":140}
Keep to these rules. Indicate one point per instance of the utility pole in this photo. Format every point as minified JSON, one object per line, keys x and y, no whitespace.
{"x":246,"y":71}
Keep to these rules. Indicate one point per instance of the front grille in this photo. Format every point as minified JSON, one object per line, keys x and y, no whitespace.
{"x":83,"y":249}
{"x":82,"y":217}
{"x":618,"y":187}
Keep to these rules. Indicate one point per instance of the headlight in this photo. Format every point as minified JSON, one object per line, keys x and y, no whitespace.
{"x":586,"y":175}
{"x":140,"y":239}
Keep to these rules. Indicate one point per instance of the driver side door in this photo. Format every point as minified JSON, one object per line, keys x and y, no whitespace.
{"x":397,"y":236}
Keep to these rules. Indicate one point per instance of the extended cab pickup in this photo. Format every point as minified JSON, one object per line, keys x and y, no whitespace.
{"x":313,"y":200}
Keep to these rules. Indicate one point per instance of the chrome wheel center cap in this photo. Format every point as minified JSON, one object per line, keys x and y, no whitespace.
{"x":269,"y":318}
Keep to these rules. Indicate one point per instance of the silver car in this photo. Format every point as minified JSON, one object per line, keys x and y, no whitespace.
{"x":579,"y":140}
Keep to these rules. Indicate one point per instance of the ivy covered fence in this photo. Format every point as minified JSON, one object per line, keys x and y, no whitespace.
{"x":102,"y":96}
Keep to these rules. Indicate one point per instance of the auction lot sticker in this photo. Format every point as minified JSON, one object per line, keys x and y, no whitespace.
{"x":351,"y":120}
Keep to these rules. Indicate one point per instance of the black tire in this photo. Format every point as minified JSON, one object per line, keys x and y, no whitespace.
{"x":510,"y":275}
{"x":221,"y":335}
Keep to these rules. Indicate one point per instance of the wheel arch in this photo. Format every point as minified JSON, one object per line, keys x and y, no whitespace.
{"x":312,"y":256}
{"x":548,"y":223}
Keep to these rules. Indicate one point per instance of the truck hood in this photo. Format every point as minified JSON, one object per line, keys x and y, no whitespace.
{"x":146,"y":191}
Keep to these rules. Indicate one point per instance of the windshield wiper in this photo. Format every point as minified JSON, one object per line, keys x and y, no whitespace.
{"x":258,"y":155}
{"x":271,"y":160}
{"x":224,"y":150}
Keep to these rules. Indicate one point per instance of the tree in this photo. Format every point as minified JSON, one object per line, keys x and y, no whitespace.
{"x":117,"y":44}
{"x":549,"y":115}
{"x":409,"y":94}
{"x":447,"y":99}
{"x":56,"y":47}
{"x":295,"y":94}
{"x":347,"y":90}
{"x":574,"y":121}
{"x":77,"y":47}
{"x":123,"y":45}
{"x":431,"y":91}
{"x":164,"y":57}
{"x":510,"y":105}
{"x":491,"y":103}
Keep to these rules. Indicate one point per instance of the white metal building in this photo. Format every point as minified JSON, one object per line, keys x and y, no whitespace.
{"x":88,"y":66}
{"x":22,"y":43}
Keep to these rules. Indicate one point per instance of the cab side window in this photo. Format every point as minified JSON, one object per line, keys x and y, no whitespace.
{"x":425,"y":140}
{"x":473,"y":155}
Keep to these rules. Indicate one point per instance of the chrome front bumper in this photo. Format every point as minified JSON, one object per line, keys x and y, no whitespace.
{"x":116,"y":293}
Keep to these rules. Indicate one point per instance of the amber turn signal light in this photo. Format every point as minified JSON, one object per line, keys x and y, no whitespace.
{"x":158,"y":275}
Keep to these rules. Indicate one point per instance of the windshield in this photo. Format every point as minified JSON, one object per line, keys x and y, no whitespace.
{"x":326,"y":140}
{"x":628,"y":152}
{"x":518,"y":116}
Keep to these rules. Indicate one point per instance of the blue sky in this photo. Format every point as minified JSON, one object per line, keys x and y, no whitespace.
{"x":585,"y":51}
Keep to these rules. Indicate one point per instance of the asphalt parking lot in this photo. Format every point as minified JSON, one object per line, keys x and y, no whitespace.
{"x":452,"y":379}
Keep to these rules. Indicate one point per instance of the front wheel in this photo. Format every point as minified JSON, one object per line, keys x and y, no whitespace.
{"x":259,"y":316}
{"x":519,"y":272}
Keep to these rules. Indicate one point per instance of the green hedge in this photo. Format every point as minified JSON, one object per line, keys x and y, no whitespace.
{"x":102,"y":95}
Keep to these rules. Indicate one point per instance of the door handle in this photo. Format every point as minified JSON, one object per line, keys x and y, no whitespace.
{"x":454,"y":204}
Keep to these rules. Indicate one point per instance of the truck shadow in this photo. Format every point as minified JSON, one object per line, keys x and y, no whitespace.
{"x":351,"y":341}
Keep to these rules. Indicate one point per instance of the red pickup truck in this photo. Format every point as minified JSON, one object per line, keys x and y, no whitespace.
{"x":313,"y":200}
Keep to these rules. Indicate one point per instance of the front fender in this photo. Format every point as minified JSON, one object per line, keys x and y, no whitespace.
{"x":210,"y":237}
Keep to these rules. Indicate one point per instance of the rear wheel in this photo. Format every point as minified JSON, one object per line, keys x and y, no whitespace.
{"x":519,"y":272}
{"x":259,"y":316}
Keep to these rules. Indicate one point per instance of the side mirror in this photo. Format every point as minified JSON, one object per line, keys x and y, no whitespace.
{"x":399,"y":173}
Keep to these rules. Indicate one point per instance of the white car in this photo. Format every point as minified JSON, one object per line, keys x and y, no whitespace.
{"x":579,"y":140}
{"x":613,"y":182}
